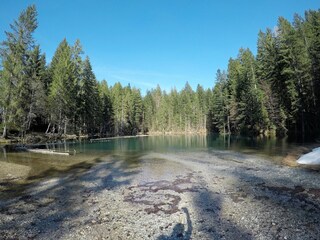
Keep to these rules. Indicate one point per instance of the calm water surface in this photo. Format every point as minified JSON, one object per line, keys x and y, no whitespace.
{"x":30,"y":166}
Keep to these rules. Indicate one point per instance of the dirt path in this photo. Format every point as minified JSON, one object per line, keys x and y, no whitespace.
{"x":203,"y":195}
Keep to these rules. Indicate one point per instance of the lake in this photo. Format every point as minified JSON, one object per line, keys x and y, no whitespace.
{"x":31,"y":166}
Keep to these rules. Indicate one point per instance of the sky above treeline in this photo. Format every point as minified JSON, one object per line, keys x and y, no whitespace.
{"x":148,"y":42}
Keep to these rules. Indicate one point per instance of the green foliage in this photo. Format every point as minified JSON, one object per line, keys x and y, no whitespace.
{"x":276,"y":91}
{"x":90,"y":101}
{"x":18,"y":82}
{"x":61,"y":95}
{"x":176,"y":112}
{"x":107,"y":120}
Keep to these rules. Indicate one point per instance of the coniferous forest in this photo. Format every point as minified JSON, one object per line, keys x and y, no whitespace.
{"x":275,"y":92}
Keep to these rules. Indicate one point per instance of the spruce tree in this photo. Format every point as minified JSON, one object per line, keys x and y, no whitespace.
{"x":312,"y":33}
{"x":117,"y":103}
{"x":107,"y":121}
{"x":15,"y":54}
{"x":268,"y":75}
{"x":61,"y":98}
{"x":89,"y":98}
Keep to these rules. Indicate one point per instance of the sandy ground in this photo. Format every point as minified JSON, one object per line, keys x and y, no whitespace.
{"x":203,"y":195}
{"x":11,"y":171}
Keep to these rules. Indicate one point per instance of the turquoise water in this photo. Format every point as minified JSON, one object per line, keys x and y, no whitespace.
{"x":264,"y":146}
{"x":30,"y":166}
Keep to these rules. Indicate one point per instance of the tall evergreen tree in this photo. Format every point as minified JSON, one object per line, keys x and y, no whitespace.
{"x":268,"y":75}
{"x":117,"y":103}
{"x":251,"y":114}
{"x":220,"y":106}
{"x":15,"y":54}
{"x":107,"y":121}
{"x":312,"y":33}
{"x":35,"y":100}
{"x":149,"y":112}
{"x":90,"y":103}
{"x":61,"y":98}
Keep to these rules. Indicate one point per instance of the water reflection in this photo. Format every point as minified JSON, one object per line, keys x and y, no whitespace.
{"x":131,"y":150}
{"x":267,"y":146}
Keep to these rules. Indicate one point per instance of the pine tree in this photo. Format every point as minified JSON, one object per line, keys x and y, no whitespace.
{"x":76,"y":120}
{"x":312,"y":32}
{"x":148,"y":112}
{"x":232,"y":101}
{"x":174,"y":111}
{"x":117,"y":103}
{"x":36,"y":99}
{"x":188,"y":109}
{"x":90,"y":102}
{"x":220,"y":109}
{"x":268,"y":75}
{"x":137,"y":111}
{"x":157,"y":98}
{"x":202,"y":110}
{"x":295,"y":72}
{"x":107,"y":121}
{"x":252,"y":115}
{"x":15,"y":54}
{"x":61,"y":98}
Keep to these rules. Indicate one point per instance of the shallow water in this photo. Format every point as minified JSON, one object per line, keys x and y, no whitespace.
{"x":27,"y":167}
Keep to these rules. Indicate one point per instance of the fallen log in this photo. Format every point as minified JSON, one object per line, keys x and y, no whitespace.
{"x":118,"y":137}
{"x":47,"y":151}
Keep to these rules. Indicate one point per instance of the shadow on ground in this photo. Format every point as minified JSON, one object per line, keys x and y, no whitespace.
{"x":43,"y":207}
{"x":212,"y":222}
{"x":179,"y":231}
{"x":256,"y":205}
{"x":289,"y":210}
{"x":253,"y":206}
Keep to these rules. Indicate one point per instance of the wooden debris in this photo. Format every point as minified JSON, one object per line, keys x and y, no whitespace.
{"x":47,"y":151}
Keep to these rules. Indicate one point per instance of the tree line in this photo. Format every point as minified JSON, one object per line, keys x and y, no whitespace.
{"x":275,"y":92}
{"x":278,"y":91}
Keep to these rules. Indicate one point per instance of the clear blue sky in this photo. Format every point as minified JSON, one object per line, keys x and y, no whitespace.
{"x":150,"y":42}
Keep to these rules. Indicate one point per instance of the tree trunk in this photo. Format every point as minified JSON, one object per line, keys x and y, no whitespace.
{"x":5,"y":134}
{"x":302,"y":125}
{"x":49,"y":125}
{"x":65,"y":126}
{"x":60,"y":122}
{"x":5,"y":131}
{"x":4,"y":153}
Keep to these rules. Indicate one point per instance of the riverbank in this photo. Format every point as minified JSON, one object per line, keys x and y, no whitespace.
{"x":203,"y":195}
{"x":41,"y":138}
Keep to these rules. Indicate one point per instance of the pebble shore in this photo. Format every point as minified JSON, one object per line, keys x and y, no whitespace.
{"x":199,"y":195}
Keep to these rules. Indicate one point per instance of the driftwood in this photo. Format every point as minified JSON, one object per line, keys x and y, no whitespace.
{"x":47,"y":151}
{"x":111,"y":138}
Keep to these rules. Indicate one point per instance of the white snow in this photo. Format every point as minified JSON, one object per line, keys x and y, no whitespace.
{"x":311,"y":158}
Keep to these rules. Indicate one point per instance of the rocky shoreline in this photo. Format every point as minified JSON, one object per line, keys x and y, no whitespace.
{"x":203,"y":195}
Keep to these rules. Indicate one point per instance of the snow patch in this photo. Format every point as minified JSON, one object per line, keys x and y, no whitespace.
{"x":311,"y":158}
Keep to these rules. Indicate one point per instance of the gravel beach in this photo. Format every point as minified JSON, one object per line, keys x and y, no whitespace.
{"x":203,"y":195}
